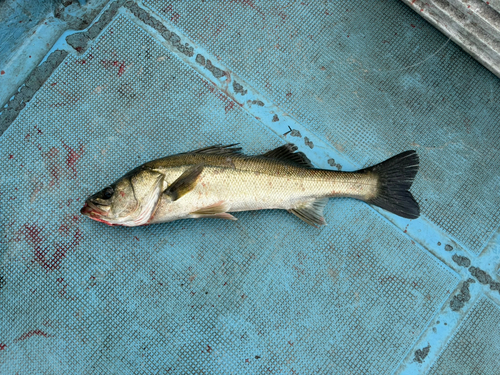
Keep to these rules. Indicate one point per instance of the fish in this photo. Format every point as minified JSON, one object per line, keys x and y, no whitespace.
{"x":215,"y":181}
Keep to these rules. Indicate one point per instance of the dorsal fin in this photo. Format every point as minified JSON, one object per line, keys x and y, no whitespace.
{"x":287,"y":153}
{"x":219,"y":150}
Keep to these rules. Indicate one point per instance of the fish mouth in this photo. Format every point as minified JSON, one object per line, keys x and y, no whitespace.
{"x":94,"y":212}
{"x":91,"y":210}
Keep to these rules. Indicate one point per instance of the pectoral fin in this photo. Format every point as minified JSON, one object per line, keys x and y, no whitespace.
{"x":311,"y":212}
{"x":185,"y":183}
{"x":217,"y":210}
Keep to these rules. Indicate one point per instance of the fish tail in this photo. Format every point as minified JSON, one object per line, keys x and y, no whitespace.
{"x":395,"y":177}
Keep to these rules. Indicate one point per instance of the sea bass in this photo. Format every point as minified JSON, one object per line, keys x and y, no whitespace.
{"x":214,"y":181}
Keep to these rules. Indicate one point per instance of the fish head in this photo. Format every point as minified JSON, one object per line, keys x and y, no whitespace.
{"x":130,"y":201}
{"x":113,"y":204}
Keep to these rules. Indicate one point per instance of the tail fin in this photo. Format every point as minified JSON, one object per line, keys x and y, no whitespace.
{"x":395,"y":176}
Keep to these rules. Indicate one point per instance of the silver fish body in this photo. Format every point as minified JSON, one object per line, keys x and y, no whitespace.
{"x":214,"y":181}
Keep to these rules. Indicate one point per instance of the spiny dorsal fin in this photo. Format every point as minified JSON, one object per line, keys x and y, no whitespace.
{"x":185,"y":183}
{"x":219,"y":150}
{"x":287,"y":153}
{"x":311,"y":212}
{"x":217,"y":210}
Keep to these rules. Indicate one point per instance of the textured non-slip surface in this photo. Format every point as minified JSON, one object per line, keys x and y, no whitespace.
{"x":346,"y":70}
{"x":266,"y":293}
{"x":474,"y":348}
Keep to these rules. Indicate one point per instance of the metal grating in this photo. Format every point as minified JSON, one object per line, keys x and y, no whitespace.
{"x":190,"y":296}
{"x":353,"y":75}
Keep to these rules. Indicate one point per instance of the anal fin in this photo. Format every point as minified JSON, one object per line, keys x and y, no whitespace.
{"x":217,"y":211}
{"x":311,"y":212}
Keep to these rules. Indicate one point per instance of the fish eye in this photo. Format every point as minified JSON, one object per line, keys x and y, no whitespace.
{"x":108,"y":192}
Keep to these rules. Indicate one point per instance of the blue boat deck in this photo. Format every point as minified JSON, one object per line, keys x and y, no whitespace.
{"x":351,"y":84}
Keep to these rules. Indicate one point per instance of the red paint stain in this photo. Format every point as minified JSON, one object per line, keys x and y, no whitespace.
{"x":291,"y":343}
{"x":79,"y":49}
{"x":36,"y":332}
{"x":288,"y":95}
{"x":136,"y":238}
{"x":412,"y":25}
{"x":53,"y":84}
{"x":2,"y":346}
{"x":413,"y":1}
{"x":209,"y":349}
{"x":247,"y":361}
{"x":11,"y":156}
